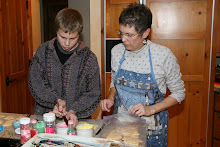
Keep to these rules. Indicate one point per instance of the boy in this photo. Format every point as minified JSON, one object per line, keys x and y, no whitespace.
{"x":64,"y":70}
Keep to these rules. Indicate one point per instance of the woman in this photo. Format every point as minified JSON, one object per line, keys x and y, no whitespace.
{"x":141,"y":73}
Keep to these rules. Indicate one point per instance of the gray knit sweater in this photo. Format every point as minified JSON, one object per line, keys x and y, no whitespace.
{"x":77,"y":81}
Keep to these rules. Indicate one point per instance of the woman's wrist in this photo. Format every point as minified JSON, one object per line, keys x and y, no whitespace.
{"x":111,"y":98}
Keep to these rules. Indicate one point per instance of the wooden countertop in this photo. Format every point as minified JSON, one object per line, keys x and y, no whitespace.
{"x":6,"y":120}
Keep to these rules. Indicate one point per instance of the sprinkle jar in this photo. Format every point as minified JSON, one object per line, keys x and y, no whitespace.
{"x":49,"y":120}
{"x":25,"y":129}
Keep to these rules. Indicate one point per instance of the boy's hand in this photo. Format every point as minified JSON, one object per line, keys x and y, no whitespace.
{"x":72,"y":116}
{"x":60,"y":108}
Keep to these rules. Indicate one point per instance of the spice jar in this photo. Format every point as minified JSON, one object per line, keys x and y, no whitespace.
{"x":25,"y":129}
{"x":49,"y":120}
{"x":34,"y":129}
{"x":40,"y":126}
{"x":71,"y":130}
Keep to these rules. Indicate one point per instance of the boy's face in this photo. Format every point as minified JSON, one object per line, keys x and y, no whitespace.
{"x":66,"y":40}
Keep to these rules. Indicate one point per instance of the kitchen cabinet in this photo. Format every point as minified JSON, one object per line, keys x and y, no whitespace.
{"x":216,"y":122}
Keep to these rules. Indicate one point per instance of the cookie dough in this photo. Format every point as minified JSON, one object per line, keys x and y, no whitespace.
{"x":114,"y":135}
{"x":132,"y":140}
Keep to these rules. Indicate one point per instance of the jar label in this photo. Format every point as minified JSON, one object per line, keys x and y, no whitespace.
{"x":26,"y":133}
{"x":49,"y":130}
{"x":71,"y":133}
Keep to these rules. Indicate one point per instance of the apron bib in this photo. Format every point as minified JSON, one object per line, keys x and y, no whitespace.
{"x":133,"y":88}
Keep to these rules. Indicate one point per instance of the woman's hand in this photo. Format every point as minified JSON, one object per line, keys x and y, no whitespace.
{"x":140,"y":110}
{"x":106,"y":104}
{"x":60,"y":109}
{"x":72,"y":116}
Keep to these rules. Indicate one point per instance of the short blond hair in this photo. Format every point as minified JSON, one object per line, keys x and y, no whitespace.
{"x":69,"y":20}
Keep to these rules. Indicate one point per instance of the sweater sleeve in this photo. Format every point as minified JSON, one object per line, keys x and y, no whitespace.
{"x":39,"y":85}
{"x":173,"y":78}
{"x":90,"y":95}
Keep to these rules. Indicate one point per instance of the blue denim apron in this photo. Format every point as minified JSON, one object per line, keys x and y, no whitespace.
{"x":134,"y":88}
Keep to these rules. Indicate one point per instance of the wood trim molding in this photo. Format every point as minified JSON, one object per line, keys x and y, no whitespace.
{"x":193,"y":78}
{"x":194,"y":35}
{"x":96,"y":41}
{"x":165,"y":1}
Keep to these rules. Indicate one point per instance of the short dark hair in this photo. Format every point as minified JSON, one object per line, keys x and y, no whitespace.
{"x":69,"y":20}
{"x":137,"y":15}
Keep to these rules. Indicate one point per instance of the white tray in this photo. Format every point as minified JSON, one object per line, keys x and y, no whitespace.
{"x":82,"y":141}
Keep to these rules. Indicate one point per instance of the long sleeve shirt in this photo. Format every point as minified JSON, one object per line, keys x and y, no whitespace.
{"x":165,"y":67}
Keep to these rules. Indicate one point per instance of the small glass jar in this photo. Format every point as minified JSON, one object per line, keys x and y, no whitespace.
{"x":25,"y":129}
{"x":71,"y":130}
{"x":34,"y":129}
{"x":49,"y":120}
{"x":40,"y":126}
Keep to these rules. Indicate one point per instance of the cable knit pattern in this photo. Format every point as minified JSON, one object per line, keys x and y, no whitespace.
{"x":77,"y":81}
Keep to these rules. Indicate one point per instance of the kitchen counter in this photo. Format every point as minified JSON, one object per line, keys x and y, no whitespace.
{"x":6,"y":120}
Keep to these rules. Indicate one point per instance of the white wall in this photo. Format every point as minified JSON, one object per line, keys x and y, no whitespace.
{"x":83,"y":6}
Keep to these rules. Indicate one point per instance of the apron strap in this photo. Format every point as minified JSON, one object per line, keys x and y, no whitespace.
{"x":152,"y":72}
{"x":122,"y":59}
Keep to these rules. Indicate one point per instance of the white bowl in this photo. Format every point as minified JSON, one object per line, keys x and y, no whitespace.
{"x":62,"y":131}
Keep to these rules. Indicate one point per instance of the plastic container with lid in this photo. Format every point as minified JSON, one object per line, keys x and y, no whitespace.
{"x":40,"y":127}
{"x":61,"y":128}
{"x":84,"y":130}
{"x":25,"y":129}
{"x":49,"y":120}
{"x":71,"y":130}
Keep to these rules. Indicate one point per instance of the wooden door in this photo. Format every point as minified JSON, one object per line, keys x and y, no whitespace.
{"x":184,"y":26}
{"x":15,"y":96}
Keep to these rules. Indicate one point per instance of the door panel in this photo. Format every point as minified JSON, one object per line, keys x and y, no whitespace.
{"x":186,"y":51}
{"x":16,"y":97}
{"x":113,"y":11}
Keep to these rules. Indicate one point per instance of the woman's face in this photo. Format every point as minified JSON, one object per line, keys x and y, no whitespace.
{"x":130,"y":37}
{"x":67,"y":41}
